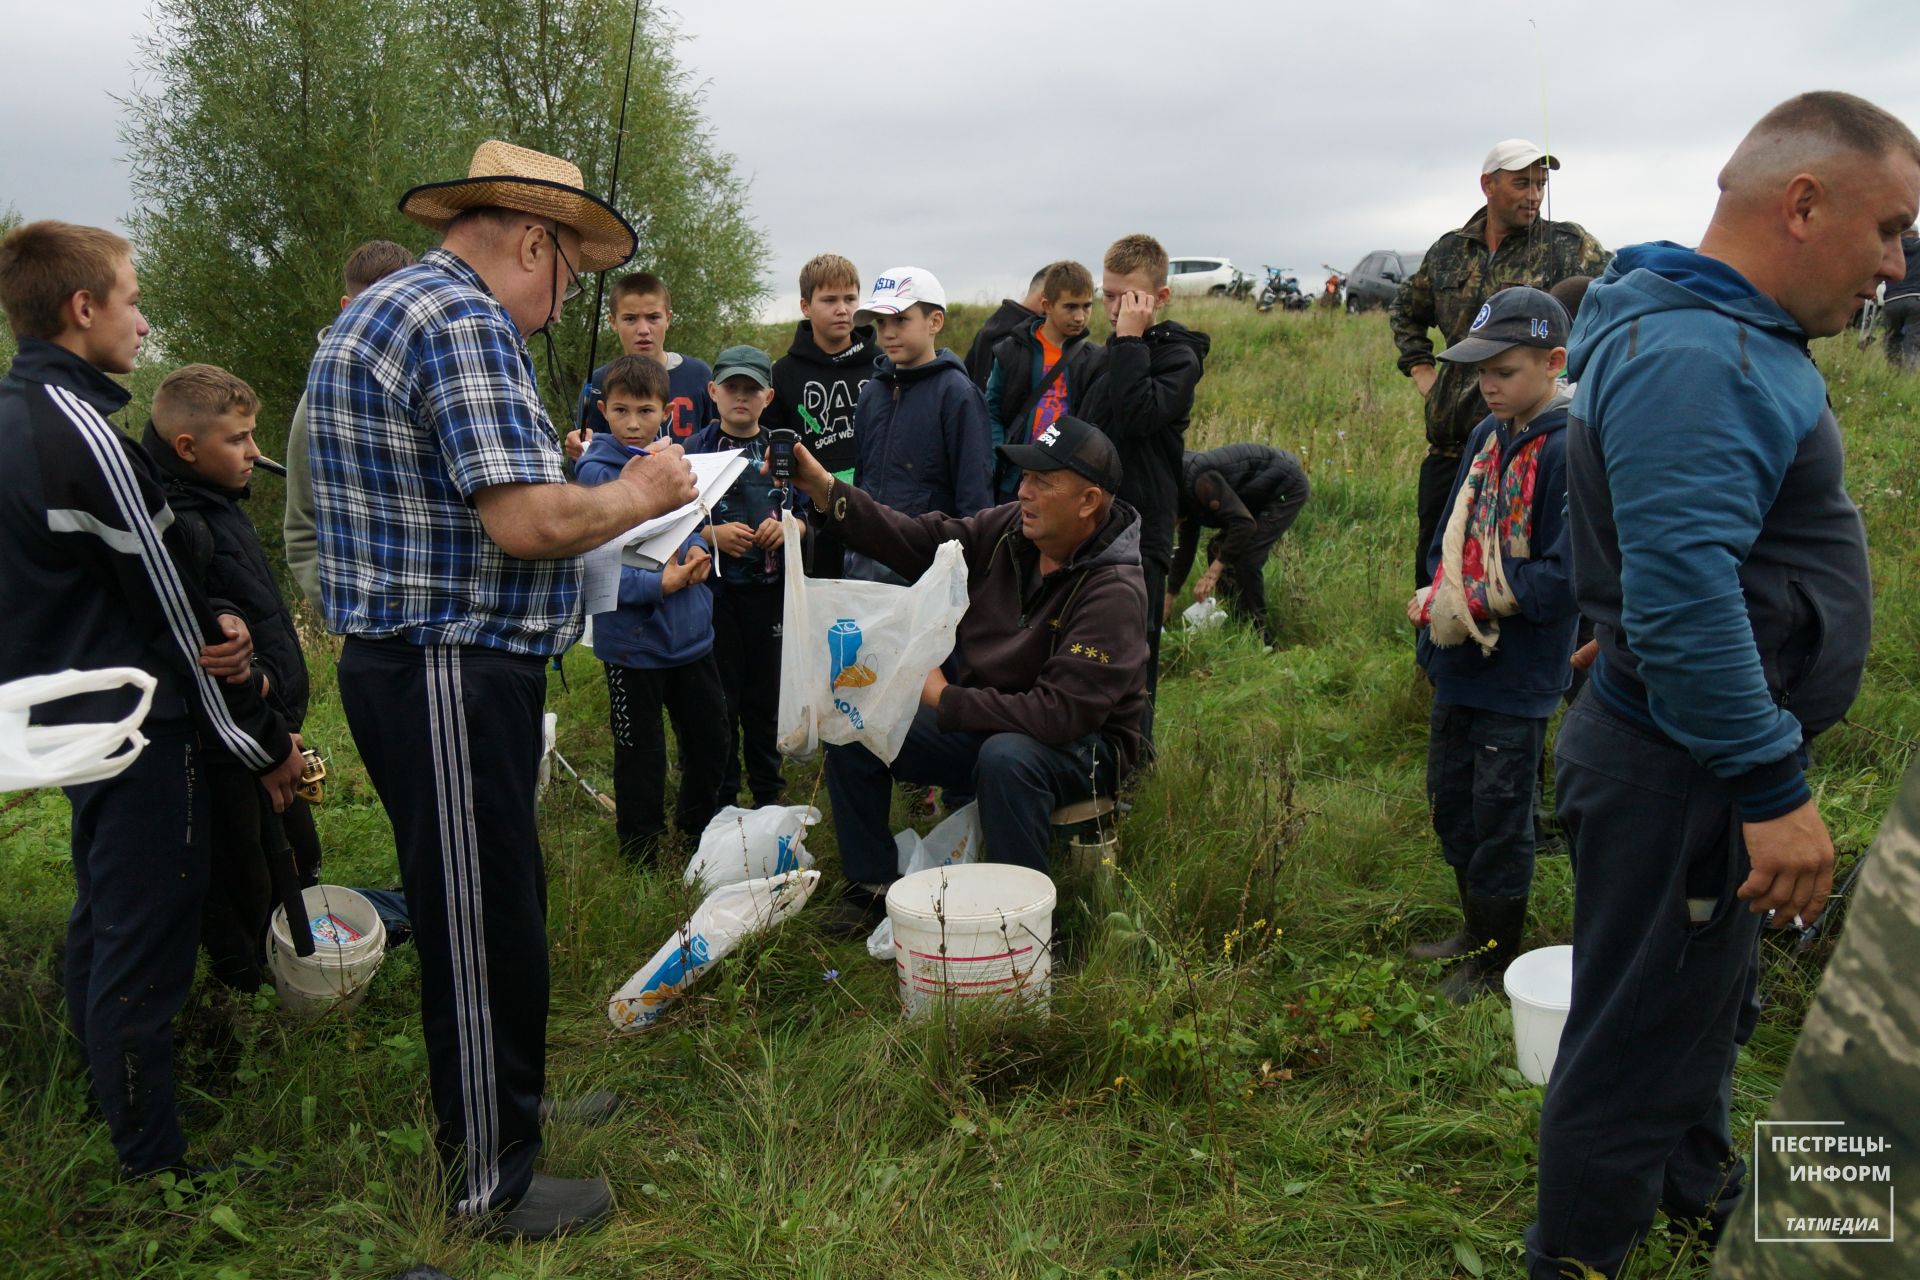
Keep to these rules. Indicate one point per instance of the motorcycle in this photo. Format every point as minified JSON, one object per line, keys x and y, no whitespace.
{"x":1335,"y":288}
{"x":1282,"y":287}
{"x":1242,"y":287}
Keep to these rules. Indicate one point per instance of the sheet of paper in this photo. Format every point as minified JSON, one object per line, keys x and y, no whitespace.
{"x":650,"y":545}
{"x":600,"y":580}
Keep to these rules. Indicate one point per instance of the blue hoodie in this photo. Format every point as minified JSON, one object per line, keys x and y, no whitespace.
{"x":1714,"y":545}
{"x":1527,"y":671}
{"x":924,"y":439}
{"x":650,"y":631}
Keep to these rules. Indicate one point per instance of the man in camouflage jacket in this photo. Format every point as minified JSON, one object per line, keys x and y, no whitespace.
{"x":1505,"y":243}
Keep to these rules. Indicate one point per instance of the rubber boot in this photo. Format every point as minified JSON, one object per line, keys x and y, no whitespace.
{"x":1460,"y":943}
{"x":1499,"y":923}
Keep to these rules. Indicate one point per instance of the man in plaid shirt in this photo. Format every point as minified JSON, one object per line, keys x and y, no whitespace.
{"x":449,"y":544}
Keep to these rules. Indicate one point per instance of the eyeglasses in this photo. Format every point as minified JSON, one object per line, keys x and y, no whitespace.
{"x":574,"y":287}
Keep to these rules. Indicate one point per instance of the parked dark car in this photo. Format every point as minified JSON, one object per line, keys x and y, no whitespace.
{"x":1374,"y":282}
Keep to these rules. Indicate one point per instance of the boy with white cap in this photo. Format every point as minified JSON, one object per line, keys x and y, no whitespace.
{"x":921,"y":427}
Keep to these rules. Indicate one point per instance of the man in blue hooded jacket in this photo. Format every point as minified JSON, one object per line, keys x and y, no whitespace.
{"x":1725,"y":571}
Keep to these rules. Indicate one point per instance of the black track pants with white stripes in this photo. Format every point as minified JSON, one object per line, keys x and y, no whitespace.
{"x":451,"y":738}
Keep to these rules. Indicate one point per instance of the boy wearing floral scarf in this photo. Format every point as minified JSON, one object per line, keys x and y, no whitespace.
{"x":1499,"y":621}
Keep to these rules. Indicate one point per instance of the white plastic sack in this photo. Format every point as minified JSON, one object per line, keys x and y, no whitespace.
{"x":854,"y":655}
{"x":549,"y":738}
{"x":954,"y":840}
{"x":1202,"y":614}
{"x":751,"y":844}
{"x":715,"y":928}
{"x":65,"y":755}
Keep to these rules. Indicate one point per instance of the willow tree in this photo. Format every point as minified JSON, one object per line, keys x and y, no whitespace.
{"x":271,"y":136}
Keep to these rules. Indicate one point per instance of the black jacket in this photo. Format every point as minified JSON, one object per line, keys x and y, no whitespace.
{"x":87,"y":562}
{"x":1143,"y":401}
{"x":826,"y":387}
{"x":1021,"y":363}
{"x":221,"y":551}
{"x":1226,"y":488}
{"x":1010,"y":318}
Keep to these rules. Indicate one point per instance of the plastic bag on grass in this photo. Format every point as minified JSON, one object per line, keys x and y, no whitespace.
{"x":854,"y":655}
{"x":715,"y":928}
{"x":956,"y":839}
{"x":1202,"y":615}
{"x":751,"y":844}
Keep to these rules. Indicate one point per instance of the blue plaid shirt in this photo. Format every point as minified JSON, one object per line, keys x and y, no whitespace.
{"x":421,"y":395}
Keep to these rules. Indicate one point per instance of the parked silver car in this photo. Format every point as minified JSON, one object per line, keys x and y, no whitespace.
{"x":1378,"y":276}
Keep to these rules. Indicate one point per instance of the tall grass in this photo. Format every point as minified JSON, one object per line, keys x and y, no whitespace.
{"x":1238,"y":1074}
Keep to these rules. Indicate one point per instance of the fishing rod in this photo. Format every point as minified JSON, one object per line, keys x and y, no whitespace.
{"x":613,"y":186}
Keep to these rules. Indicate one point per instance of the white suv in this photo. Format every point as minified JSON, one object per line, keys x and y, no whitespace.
{"x":1200,"y":275}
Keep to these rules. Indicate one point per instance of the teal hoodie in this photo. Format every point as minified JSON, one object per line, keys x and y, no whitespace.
{"x":1714,"y":546}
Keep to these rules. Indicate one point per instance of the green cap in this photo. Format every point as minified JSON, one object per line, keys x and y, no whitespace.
{"x":744,"y":362}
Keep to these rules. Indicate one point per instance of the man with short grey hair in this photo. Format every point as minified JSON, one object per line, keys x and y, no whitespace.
{"x":1725,"y":571}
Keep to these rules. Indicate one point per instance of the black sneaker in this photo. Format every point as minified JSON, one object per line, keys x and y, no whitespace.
{"x":854,"y":914}
{"x":555,"y":1207}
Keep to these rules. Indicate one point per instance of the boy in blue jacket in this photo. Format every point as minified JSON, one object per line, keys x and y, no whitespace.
{"x":749,"y":600}
{"x":1499,"y":623}
{"x":658,"y":644}
{"x":925,"y":444}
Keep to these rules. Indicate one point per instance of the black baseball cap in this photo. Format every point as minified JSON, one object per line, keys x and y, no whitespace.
{"x":1069,"y":444}
{"x":1516,"y":317}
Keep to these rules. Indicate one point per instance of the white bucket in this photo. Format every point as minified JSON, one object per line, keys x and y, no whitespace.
{"x":971,"y":931}
{"x":341,"y":966}
{"x":1540,"y":985}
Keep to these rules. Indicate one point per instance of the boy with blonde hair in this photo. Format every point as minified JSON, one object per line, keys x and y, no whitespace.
{"x":202,"y":438}
{"x":817,"y":384}
{"x":1143,"y":402}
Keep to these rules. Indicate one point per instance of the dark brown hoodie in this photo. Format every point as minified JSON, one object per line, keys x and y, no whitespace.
{"x":1055,"y":657}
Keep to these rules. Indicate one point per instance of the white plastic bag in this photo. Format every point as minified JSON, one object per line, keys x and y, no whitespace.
{"x":549,"y":739}
{"x":954,"y":840}
{"x":1203,"y":614}
{"x":716,"y":927}
{"x":65,"y":755}
{"x":751,"y":844}
{"x":854,"y":655}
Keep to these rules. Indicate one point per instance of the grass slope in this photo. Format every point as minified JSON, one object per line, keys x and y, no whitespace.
{"x":1239,"y":1075}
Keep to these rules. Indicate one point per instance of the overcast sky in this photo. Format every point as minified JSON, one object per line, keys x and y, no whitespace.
{"x":980,"y":141}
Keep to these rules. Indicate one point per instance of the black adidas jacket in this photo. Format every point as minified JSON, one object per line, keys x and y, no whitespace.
{"x":87,"y":578}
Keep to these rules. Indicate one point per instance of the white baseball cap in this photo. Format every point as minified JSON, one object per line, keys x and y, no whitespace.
{"x":1517,"y":153}
{"x":897,"y":288}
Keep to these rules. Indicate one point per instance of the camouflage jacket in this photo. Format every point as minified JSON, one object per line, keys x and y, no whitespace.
{"x":1854,"y":1077}
{"x":1459,"y":275}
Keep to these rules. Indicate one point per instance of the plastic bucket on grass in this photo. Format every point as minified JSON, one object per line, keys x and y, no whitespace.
{"x":971,"y":931}
{"x":1540,"y":986}
{"x":349,"y":941}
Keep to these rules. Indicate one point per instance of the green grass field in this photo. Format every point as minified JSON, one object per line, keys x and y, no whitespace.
{"x":1238,"y":1075}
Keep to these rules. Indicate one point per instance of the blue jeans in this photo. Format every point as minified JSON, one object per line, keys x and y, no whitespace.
{"x":1019,"y":781}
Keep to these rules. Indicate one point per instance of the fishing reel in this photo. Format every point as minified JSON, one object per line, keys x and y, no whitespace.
{"x":312,"y":777}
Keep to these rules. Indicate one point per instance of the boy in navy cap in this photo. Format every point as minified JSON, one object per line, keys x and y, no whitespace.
{"x":1498,"y":623}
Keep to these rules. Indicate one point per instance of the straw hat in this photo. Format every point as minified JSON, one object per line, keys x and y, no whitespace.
{"x":504,"y":176}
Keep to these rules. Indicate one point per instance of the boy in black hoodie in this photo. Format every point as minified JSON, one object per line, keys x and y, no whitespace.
{"x":817,"y":383}
{"x":1142,"y":402}
{"x":201,"y":436}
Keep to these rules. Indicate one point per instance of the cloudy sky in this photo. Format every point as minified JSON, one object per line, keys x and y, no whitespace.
{"x":982,"y":140}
